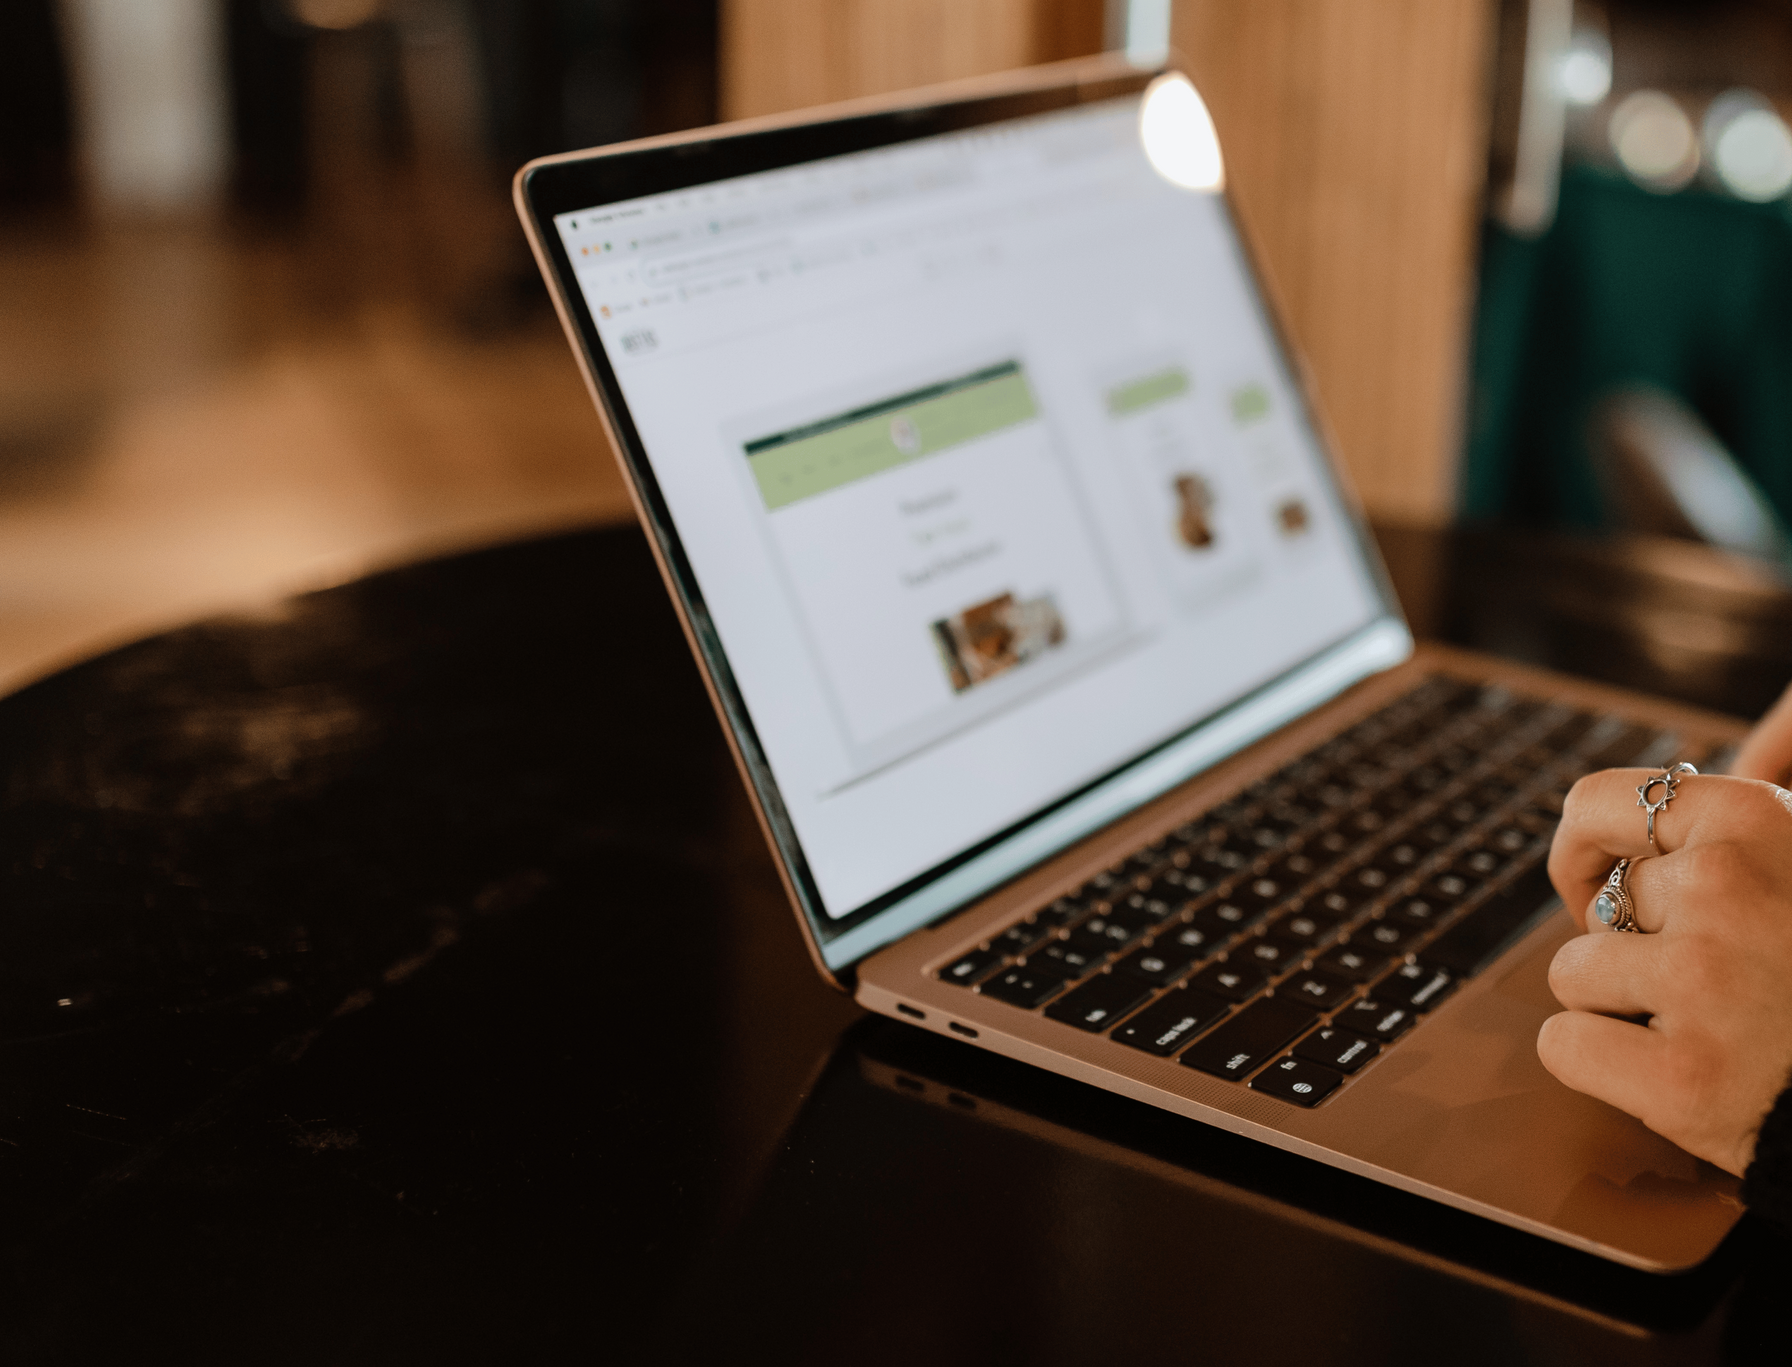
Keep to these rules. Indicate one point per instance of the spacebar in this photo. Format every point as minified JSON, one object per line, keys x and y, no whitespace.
{"x":1477,"y":939}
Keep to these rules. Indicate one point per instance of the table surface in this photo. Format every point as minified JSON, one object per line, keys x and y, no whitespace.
{"x":400,"y":976}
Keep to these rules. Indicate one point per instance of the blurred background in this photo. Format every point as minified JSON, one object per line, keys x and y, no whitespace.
{"x":267,"y":320}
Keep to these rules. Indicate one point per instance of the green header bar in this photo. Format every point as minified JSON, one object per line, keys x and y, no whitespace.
{"x":1130,"y":398}
{"x":824,"y":455}
{"x":1250,"y":402}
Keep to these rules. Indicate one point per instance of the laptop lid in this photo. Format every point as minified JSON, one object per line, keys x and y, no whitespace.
{"x":976,"y":464}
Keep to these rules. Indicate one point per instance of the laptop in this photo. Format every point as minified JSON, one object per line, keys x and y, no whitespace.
{"x":1057,"y":659}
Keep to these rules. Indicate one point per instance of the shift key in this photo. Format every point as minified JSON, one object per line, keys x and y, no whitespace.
{"x":1250,"y":1037}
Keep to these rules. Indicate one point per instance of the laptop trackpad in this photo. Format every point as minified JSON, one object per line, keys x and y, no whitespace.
{"x":1477,"y":1113}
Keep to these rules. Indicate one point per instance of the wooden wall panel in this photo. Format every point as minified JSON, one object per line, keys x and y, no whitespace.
{"x":1355,"y":142}
{"x":785,"y":54}
{"x":1355,"y":145}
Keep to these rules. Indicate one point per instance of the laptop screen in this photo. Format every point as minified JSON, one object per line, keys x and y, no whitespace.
{"x":994,"y":484}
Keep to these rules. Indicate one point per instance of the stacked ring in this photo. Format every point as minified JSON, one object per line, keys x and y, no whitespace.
{"x":1667,"y":783}
{"x":1614,"y":906}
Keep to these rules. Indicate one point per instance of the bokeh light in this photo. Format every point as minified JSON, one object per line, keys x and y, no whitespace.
{"x":1585,"y":75}
{"x":1748,"y":146}
{"x":1654,"y":140}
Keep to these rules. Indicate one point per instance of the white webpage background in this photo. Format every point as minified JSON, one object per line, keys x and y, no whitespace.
{"x":853,"y":556}
{"x":821,"y":279}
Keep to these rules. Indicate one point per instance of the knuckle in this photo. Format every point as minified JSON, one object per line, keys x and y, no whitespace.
{"x":1578,"y":797}
{"x":1724,"y":874}
{"x":1681,"y":1080}
{"x":1701,"y":968}
{"x":1714,"y":868}
{"x":1693,"y":1072}
{"x":1568,"y":967}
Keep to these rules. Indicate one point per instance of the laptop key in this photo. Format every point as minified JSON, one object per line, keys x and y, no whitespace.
{"x":1104,"y":934}
{"x":1026,"y":985}
{"x":1100,"y":1002}
{"x":1617,"y":745}
{"x":1302,"y":867}
{"x":968,"y":968}
{"x":1510,"y":840}
{"x":1330,"y":845}
{"x":1217,"y":863}
{"x":1399,"y":860}
{"x":1421,"y":913}
{"x":1448,"y":886}
{"x":1462,"y":813}
{"x":1018,"y":939}
{"x":1379,"y":1020}
{"x":1142,"y":908}
{"x":1477,"y":939}
{"x":1234,"y":981}
{"x":1178,"y":887}
{"x":1355,"y":962}
{"x":1384,"y":936}
{"x":1227,"y":918}
{"x":1339,"y":1049}
{"x":1302,"y":927}
{"x":1297,"y":1080}
{"x":1318,"y":990}
{"x":1271,"y":955}
{"x":1481,"y":864}
{"x":1432,"y":835}
{"x":1268,"y":889}
{"x":1238,"y":1046}
{"x":1419,"y":986}
{"x":1191,"y":938}
{"x":1159,"y":963}
{"x":1312,"y":861}
{"x":1171,"y":1022}
{"x":1344,"y":903}
{"x":1367,"y":881}
{"x":1061,"y":912}
{"x":1066,"y":959}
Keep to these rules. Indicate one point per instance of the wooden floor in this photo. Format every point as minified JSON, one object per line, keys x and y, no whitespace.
{"x":195,"y":419}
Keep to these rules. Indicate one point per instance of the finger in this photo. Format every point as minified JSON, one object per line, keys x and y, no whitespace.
{"x":1654,"y":890}
{"x":1601,"y":823}
{"x":1609,"y":975}
{"x":1613,"y":1060}
{"x":1766,"y":752}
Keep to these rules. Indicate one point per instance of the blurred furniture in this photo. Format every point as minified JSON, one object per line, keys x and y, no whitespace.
{"x":36,"y":126}
{"x":1688,"y":293}
{"x":399,"y":976}
{"x":1654,"y":613}
{"x":1665,"y":472}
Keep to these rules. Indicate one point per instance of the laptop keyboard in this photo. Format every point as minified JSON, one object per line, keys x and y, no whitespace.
{"x":1296,"y":932}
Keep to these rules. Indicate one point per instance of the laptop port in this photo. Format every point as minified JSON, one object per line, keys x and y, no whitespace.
{"x":964,"y":1030}
{"x":908,"y":1010}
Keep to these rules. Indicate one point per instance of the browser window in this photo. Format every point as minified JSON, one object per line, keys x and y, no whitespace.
{"x":987,"y":465}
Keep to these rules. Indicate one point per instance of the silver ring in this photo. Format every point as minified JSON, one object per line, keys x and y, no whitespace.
{"x":1668,"y":782}
{"x":1614,"y":906}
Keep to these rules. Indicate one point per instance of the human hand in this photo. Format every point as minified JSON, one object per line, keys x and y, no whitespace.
{"x":1711,"y":983}
{"x":1766,"y":752}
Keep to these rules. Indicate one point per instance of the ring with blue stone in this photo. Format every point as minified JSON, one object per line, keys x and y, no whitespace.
{"x":1613,"y":906}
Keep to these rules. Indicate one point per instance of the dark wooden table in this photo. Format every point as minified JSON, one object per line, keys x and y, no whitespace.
{"x":400,"y":978}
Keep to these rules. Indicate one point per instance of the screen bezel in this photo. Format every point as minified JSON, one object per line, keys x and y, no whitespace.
{"x":580,"y":181}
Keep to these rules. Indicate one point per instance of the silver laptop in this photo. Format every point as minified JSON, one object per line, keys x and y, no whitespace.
{"x":1056,"y":657}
